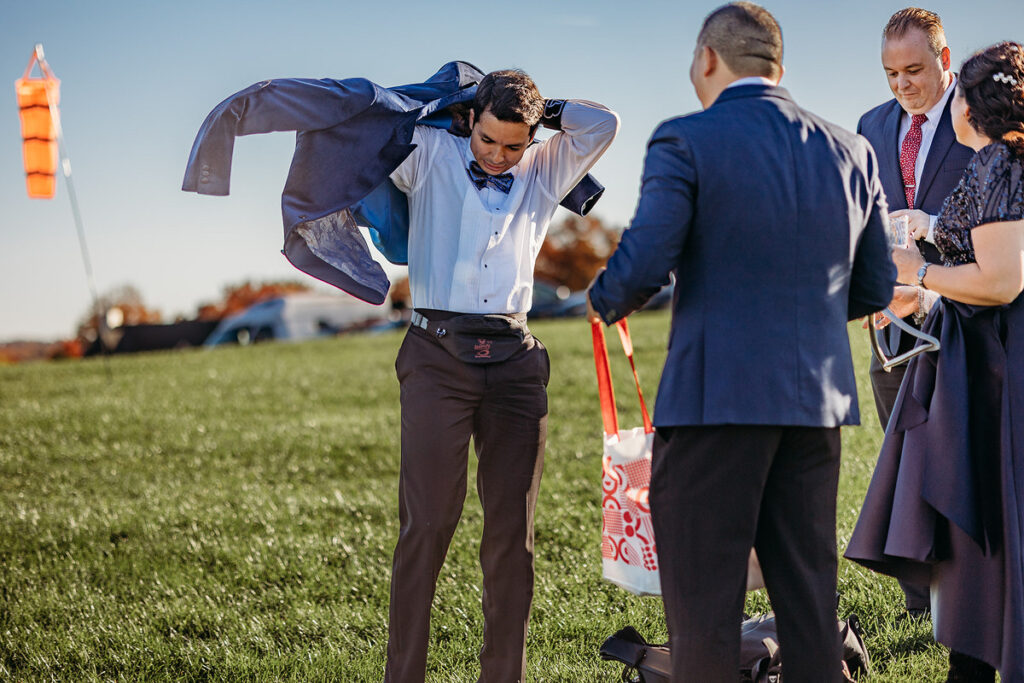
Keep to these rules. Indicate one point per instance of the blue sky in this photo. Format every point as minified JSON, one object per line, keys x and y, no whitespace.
{"x":138,"y":78}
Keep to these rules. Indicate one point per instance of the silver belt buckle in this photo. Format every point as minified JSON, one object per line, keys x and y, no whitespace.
{"x":419,"y":320}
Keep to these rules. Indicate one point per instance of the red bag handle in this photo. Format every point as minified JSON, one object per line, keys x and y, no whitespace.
{"x":627,"y":346}
{"x":605,"y":390}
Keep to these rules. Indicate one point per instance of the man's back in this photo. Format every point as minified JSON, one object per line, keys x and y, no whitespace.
{"x":774,"y":224}
{"x":767,"y":266}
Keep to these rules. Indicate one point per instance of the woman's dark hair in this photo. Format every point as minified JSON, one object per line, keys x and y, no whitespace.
{"x":992,"y":83}
{"x":511,"y":96}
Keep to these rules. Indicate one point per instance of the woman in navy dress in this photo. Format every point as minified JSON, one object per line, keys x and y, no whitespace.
{"x":946,"y":502}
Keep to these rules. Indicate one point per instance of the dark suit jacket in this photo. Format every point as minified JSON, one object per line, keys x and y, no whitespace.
{"x":773,"y":222}
{"x":350,"y":135}
{"x":943,"y":168}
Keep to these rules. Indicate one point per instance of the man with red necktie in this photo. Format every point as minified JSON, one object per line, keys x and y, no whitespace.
{"x":919,"y":164}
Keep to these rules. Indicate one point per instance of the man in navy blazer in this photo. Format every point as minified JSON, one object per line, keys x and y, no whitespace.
{"x":917,"y":65}
{"x":773,"y":222}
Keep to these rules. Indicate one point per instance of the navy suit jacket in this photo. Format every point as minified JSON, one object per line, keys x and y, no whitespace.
{"x":943,"y":168}
{"x":350,"y":135}
{"x":773,"y":222}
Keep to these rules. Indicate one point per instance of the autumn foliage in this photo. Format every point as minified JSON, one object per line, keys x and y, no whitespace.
{"x":237,"y":298}
{"x":400,"y":295}
{"x":126,"y":302}
{"x":23,"y":351}
{"x":574,"y":251}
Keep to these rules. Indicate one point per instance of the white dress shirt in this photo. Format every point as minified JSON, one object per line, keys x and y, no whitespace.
{"x":928,"y":129}
{"x":473,"y":251}
{"x":752,"y":80}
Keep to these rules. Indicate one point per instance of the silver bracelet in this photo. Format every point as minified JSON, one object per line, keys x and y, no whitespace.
{"x":920,"y":314}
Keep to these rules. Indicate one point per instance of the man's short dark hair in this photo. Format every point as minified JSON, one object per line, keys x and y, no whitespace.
{"x":746,"y":37}
{"x":509,"y":95}
{"x":921,"y":19}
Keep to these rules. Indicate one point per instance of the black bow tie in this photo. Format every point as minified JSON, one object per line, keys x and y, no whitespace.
{"x":480,"y":178}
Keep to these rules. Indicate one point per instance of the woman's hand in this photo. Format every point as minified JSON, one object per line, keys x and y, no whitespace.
{"x":919,"y":221}
{"x":907,"y":261}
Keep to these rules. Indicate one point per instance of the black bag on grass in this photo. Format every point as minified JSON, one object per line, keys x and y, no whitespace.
{"x":760,"y":657}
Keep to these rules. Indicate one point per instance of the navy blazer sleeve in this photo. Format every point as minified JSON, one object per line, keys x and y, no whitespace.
{"x":650,"y":248}
{"x":873,"y":274}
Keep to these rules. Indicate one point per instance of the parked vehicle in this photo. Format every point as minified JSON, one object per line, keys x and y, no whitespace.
{"x":557,"y":301}
{"x":295,"y":317}
{"x":152,"y":337}
{"x":663,"y":299}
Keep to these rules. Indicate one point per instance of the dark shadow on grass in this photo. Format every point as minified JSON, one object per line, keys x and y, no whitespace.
{"x":911,"y":635}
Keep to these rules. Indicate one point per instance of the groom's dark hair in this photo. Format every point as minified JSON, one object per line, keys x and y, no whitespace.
{"x":510,"y":95}
{"x":746,"y":37}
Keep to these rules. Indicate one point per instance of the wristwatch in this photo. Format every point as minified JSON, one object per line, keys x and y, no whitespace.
{"x":920,"y":275}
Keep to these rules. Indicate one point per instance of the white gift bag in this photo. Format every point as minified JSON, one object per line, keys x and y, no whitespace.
{"x":628,"y":551}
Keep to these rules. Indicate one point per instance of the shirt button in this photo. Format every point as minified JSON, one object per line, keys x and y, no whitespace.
{"x":485,"y":300}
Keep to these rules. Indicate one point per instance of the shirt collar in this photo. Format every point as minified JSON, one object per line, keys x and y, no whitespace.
{"x":935,"y":112}
{"x":752,"y":80}
{"x":467,"y":152}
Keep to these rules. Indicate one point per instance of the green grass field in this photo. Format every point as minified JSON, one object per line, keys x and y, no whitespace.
{"x":230,"y":516}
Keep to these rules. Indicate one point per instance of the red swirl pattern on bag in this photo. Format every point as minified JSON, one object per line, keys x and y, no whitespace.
{"x":627,"y":532}
{"x":610,"y":482}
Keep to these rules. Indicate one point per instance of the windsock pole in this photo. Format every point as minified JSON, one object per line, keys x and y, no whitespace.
{"x":66,"y":170}
{"x":76,"y":213}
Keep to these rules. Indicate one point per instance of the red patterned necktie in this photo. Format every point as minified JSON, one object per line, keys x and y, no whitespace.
{"x":908,"y":156}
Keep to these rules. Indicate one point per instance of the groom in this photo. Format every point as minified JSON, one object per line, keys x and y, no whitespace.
{"x":773,"y":222}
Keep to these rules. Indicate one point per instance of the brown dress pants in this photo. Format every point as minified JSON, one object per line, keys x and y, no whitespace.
{"x":503,"y":406}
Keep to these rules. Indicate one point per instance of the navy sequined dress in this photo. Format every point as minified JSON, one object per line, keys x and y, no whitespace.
{"x":946,"y":502}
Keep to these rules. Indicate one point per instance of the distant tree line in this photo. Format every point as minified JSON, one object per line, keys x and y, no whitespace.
{"x":571,"y":255}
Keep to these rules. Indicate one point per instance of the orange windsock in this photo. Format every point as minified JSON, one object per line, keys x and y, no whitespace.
{"x":38,"y":129}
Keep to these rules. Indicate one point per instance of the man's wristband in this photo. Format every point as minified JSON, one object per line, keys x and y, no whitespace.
{"x":552,"y":116}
